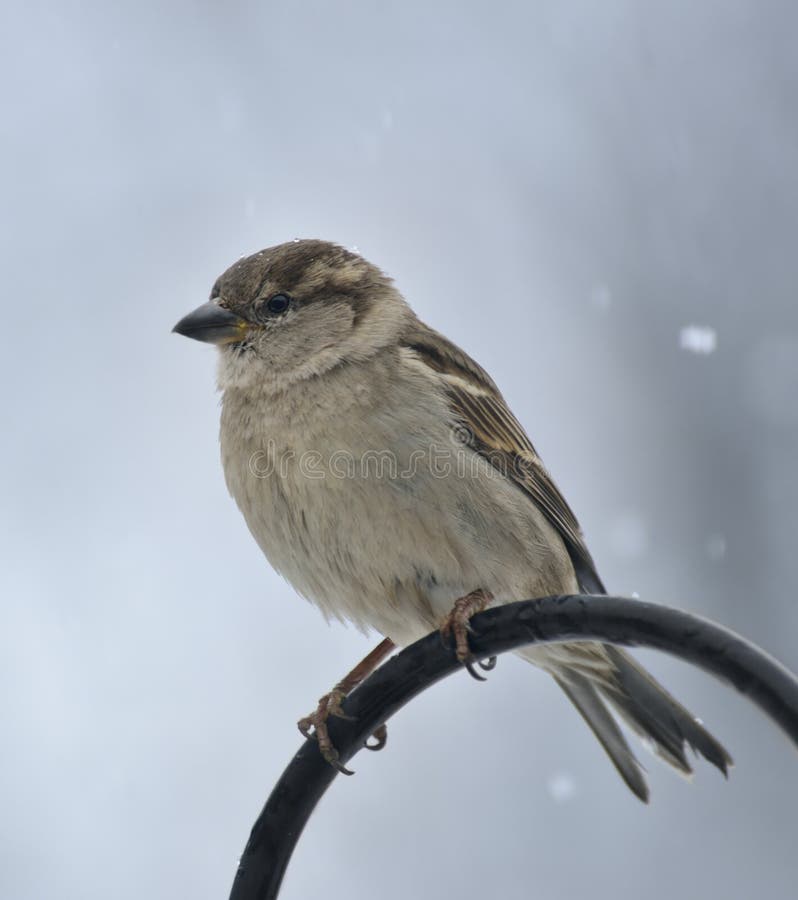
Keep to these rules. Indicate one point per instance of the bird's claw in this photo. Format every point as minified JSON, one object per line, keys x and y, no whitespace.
{"x":331,"y":756}
{"x":380,"y":737}
{"x":329,"y":705}
{"x":469,"y":667}
{"x":456,"y":624}
{"x":487,"y":665}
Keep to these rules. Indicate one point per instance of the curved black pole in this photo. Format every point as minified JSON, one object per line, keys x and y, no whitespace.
{"x":615,"y":620}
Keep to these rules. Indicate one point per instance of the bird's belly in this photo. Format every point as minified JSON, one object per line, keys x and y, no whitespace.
{"x":386,"y":541}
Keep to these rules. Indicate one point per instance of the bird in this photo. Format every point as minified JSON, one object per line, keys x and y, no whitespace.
{"x":383,"y":475}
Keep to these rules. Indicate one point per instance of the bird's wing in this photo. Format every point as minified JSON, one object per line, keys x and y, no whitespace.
{"x":490,"y":429}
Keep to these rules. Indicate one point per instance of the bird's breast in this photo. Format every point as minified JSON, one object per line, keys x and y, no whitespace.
{"x":375,"y":510}
{"x":338,"y":497}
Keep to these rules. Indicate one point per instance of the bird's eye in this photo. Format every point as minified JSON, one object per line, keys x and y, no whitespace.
{"x":279,"y":303}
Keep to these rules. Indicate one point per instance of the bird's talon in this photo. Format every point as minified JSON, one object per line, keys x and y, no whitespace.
{"x":487,"y":665}
{"x":469,"y":666}
{"x":380,"y":736}
{"x":304,"y":726}
{"x":314,"y":726}
{"x":457,"y":625}
{"x":330,"y":755}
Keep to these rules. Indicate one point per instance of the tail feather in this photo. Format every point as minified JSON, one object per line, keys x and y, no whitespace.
{"x":598,"y":676}
{"x":592,"y":709}
{"x":653,"y":713}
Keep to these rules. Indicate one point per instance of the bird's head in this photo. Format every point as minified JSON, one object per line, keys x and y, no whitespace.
{"x":294,"y":311}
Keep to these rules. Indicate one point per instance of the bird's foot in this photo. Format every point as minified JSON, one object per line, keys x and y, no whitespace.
{"x":456,"y":624}
{"x":329,"y":705}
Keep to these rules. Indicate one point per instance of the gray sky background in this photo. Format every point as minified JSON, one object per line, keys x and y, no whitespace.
{"x":561,"y":187}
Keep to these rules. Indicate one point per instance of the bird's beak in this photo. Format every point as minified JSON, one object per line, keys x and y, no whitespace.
{"x":213,"y":324}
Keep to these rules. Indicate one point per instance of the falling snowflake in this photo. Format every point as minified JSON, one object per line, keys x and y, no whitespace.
{"x":699,"y":339}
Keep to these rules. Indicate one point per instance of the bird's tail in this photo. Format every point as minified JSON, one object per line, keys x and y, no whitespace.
{"x":603,"y":674}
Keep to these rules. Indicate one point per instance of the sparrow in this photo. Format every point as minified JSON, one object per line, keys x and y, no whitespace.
{"x":382,"y":473}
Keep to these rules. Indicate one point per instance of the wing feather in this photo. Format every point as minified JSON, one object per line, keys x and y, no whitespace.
{"x":491,"y":430}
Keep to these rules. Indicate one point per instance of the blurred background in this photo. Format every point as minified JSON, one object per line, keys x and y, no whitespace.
{"x":599,"y":201}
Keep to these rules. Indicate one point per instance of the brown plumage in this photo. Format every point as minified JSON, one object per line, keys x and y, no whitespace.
{"x":321,"y":356}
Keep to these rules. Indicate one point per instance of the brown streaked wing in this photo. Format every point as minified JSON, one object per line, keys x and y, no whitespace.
{"x":494,"y":432}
